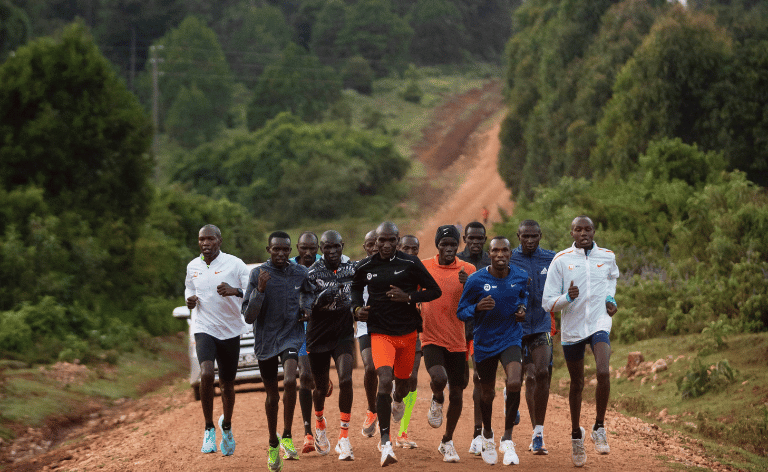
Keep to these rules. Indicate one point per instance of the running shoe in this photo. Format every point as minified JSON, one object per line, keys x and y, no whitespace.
{"x":274,"y":461}
{"x":537,"y":445}
{"x":387,"y":454}
{"x":344,"y":449}
{"x":227,"y":443}
{"x":579,"y":454}
{"x":601,"y":441}
{"x":330,"y":388}
{"x":398,"y":408}
{"x":489,"y":450}
{"x":369,"y":425}
{"x":322,"y":445}
{"x":209,"y":441}
{"x":435,"y":414}
{"x":507,"y":448}
{"x":289,"y":451}
{"x":448,"y":451}
{"x":309,"y":444}
{"x":403,"y":441}
{"x":477,"y":445}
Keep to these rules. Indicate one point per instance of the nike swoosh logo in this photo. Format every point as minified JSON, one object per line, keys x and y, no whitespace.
{"x":219,"y":272}
{"x":297,"y":287}
{"x":600,"y":265}
{"x":398,"y":271}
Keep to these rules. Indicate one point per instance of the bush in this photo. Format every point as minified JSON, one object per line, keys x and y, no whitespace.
{"x":700,"y":379}
{"x":15,"y":333}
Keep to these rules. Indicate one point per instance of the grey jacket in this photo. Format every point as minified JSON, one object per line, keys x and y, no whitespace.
{"x":276,"y":312}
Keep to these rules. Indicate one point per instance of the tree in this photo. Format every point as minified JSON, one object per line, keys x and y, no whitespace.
{"x":70,"y":127}
{"x":14,"y":28}
{"x":438,"y":34}
{"x":325,"y":33}
{"x":297,"y":83}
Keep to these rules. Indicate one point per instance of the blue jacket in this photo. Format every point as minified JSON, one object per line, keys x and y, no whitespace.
{"x":494,"y":330}
{"x":537,"y":319}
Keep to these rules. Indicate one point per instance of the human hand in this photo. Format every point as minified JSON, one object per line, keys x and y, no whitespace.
{"x":192,"y":302}
{"x":462,"y":276}
{"x":361,"y":313}
{"x":611,"y":308}
{"x":397,"y":295}
{"x":573,"y":291}
{"x":263,"y":279}
{"x":225,"y":290}
{"x":485,"y":304}
{"x":520,"y":313}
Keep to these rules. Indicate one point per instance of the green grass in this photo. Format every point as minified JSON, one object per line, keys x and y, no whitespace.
{"x":731,"y":422}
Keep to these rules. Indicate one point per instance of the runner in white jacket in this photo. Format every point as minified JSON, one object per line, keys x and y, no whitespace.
{"x":581,"y":283}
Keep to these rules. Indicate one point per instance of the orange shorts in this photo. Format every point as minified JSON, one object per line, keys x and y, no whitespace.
{"x":394,"y":351}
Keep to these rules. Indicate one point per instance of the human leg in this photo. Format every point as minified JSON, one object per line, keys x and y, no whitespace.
{"x":306,"y":385}
{"x":410,"y":398}
{"x":602,"y":351}
{"x":455,"y":367}
{"x":574,"y":361}
{"x":290,"y":361}
{"x":268,"y":370}
{"x":370,"y":383}
{"x":343,"y":359}
{"x":486,"y":371}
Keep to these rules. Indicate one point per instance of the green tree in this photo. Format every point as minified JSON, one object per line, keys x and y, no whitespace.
{"x":438,"y":33}
{"x":325,"y":33}
{"x":297,"y":83}
{"x":188,"y":119}
{"x":14,"y":28}
{"x":358,"y":75}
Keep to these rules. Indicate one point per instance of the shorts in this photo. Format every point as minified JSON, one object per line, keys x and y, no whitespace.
{"x":225,"y":352}
{"x":575,"y":352}
{"x":320,"y":362}
{"x":455,"y":363}
{"x":532,"y":341}
{"x":268,"y":367}
{"x":394,"y":351}
{"x":486,"y":369}
{"x":364,"y":341}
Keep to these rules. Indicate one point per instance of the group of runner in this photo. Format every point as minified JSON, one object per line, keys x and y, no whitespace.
{"x":488,"y":307}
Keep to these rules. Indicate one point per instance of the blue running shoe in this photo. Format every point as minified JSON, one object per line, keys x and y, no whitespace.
{"x":227,"y":443}
{"x":537,"y":446}
{"x":209,"y":441}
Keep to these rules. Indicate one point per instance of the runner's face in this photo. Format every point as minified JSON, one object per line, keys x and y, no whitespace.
{"x":500,"y":253}
{"x":529,"y":237}
{"x":583,"y":232}
{"x":446,"y":250}
{"x":279,"y":249}
{"x":386,"y":243}
{"x":475,"y":240}
{"x":307,"y":247}
{"x":410,"y":246}
{"x":209,"y":243}
{"x":332,"y":252}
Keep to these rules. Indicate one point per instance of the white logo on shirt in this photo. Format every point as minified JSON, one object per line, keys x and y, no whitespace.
{"x":512,"y":286}
{"x":369,"y":276}
{"x":543,"y":271}
{"x":398,"y":271}
{"x":487,"y":287}
{"x":297,"y":287}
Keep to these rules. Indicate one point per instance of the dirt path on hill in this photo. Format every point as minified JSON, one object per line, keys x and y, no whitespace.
{"x":163,"y":431}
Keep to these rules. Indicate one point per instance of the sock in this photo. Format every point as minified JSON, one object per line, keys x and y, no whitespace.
{"x":576,"y":434}
{"x":208,"y":425}
{"x":410,"y":402}
{"x":598,"y":426}
{"x":539,"y":429}
{"x":286,"y":434}
{"x":319,"y":420}
{"x":478,"y":431}
{"x":277,"y":443}
{"x":384,"y":411}
{"x":226,"y":426}
{"x":305,"y":402}
{"x":344,"y":431}
{"x":446,"y":439}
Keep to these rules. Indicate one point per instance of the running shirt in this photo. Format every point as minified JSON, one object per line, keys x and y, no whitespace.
{"x":328,"y":326}
{"x":216,"y":315}
{"x":441,"y":326}
{"x":277,"y":310}
{"x":403,"y":271}
{"x":494,"y":330}
{"x":537,"y":319}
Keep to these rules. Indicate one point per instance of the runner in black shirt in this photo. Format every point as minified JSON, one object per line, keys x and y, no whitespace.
{"x":396,"y":282}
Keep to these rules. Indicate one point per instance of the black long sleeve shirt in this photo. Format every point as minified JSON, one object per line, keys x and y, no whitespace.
{"x":403,"y":271}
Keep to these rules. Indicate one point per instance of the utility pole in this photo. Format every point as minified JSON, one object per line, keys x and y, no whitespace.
{"x":154,"y":60}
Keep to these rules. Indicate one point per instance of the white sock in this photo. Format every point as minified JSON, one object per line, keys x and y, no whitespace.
{"x":539,"y":429}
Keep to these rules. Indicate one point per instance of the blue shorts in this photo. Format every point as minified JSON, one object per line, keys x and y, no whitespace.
{"x":575,"y":352}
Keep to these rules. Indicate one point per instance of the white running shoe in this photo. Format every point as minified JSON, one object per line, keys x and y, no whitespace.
{"x":387,"y":454}
{"x":344,"y":449}
{"x":601,"y":441}
{"x":448,"y":451}
{"x":322,"y":445}
{"x":579,"y":454}
{"x":477,"y":445}
{"x":508,"y":449}
{"x":489,"y":450}
{"x":435,"y":414}
{"x":398,"y":408}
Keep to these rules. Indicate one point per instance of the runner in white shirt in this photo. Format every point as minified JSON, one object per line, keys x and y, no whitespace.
{"x":581,"y":282}
{"x":214,"y":290}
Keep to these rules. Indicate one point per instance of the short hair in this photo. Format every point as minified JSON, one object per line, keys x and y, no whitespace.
{"x":474,"y":224}
{"x":409,"y":236}
{"x":500,"y":237}
{"x":388,"y":224}
{"x":309,"y":233}
{"x":530,"y":223}
{"x":328,"y":234}
{"x":214,"y":228}
{"x":278,"y":234}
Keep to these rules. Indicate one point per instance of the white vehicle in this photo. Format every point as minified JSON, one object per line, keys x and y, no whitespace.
{"x":247,"y":365}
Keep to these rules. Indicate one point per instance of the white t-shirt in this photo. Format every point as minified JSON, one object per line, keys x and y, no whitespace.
{"x":215,"y":315}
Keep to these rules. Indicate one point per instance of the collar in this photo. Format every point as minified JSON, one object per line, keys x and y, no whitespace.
{"x":584,"y":252}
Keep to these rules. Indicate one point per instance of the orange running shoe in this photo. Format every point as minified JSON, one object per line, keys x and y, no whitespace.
{"x":369,"y":425}
{"x":309,"y":444}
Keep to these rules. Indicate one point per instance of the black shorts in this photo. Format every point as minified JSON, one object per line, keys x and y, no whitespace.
{"x":455,"y":363}
{"x":532,"y":341}
{"x":268,"y":367}
{"x":225,"y":352}
{"x":365,"y":342}
{"x":486,"y":369}
{"x":320,"y":362}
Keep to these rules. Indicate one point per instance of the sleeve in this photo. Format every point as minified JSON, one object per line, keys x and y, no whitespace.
{"x":554,"y":297}
{"x":467,"y":303}
{"x":243,"y":276}
{"x":307,"y":293}
{"x":253,"y":299}
{"x":189,"y":287}
{"x":613,"y":275}
{"x":356,"y":290}
{"x":430,"y":290}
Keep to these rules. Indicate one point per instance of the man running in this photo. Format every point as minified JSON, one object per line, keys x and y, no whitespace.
{"x":443,"y":339}
{"x":581,"y":283}
{"x":537,"y":341}
{"x":272,"y":304}
{"x":409,"y":244}
{"x":370,"y":381}
{"x":495,"y":299}
{"x":396,"y":282}
{"x":214,"y":288}
{"x":330,"y":334}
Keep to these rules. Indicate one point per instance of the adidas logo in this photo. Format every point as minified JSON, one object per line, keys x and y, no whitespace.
{"x":543,"y":271}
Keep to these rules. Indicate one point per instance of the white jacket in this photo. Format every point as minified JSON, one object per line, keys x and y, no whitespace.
{"x":595,"y":274}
